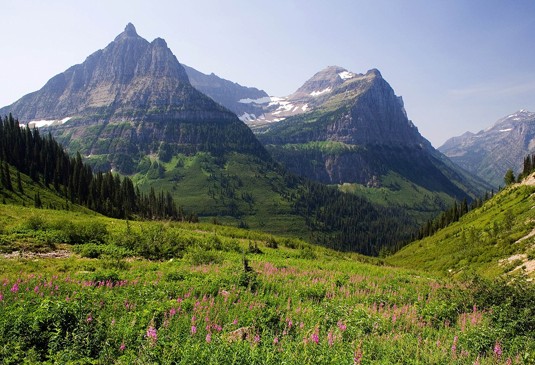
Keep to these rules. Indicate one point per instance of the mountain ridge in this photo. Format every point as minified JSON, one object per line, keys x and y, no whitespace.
{"x":491,"y":152}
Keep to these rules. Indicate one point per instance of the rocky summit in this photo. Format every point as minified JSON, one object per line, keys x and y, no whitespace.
{"x":491,"y":152}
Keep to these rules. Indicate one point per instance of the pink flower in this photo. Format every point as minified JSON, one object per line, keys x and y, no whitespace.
{"x":454,"y":346}
{"x":330,"y":338}
{"x":15,"y":288}
{"x":152,"y":334}
{"x":497,"y":350}
{"x":275,"y":340}
{"x":315,"y":338}
{"x":122,"y":347}
{"x":342,"y":326}
{"x":235,"y":321}
{"x":89,"y":318}
{"x":193,"y":330}
{"x":357,"y":359}
{"x":256,"y":338}
{"x":208,"y":337}
{"x":36,"y":289}
{"x":1,"y":297}
{"x":172,"y":312}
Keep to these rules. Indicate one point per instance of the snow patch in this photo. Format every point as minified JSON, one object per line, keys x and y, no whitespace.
{"x":304,"y":107}
{"x":317,"y":93}
{"x":246,"y":117}
{"x":346,"y":75}
{"x":47,"y":123}
{"x":506,"y":130}
{"x":263,"y":100}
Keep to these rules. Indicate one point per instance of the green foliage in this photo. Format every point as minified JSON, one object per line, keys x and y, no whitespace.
{"x":484,"y":240}
{"x":509,"y":177}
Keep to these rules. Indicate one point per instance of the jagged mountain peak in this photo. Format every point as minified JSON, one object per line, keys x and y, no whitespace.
{"x":130,"y":75}
{"x":129,"y":32}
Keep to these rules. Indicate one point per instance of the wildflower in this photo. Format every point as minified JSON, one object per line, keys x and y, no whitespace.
{"x":36,"y":289}
{"x":235,"y":321}
{"x":1,"y":297}
{"x":497,"y":349}
{"x":172,"y":312}
{"x":314,"y":337}
{"x":89,"y":318}
{"x":208,"y":337}
{"x":341,"y":325}
{"x":193,"y":330}
{"x":275,"y":340}
{"x":454,"y":346}
{"x":357,"y":359}
{"x":122,"y":347}
{"x":152,"y":334}
{"x":256,"y":338}
{"x":15,"y":288}
{"x":330,"y":338}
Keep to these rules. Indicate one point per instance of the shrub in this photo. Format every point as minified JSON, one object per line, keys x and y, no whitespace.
{"x":198,"y":256}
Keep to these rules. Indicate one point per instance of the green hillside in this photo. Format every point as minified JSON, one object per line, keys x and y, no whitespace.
{"x":492,"y":240}
{"x":103,"y":290}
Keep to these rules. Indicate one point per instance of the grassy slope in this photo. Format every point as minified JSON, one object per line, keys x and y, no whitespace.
{"x":480,"y":239}
{"x":199,"y":184}
{"x":26,"y":197}
{"x":421,"y":203}
{"x":301,"y":304}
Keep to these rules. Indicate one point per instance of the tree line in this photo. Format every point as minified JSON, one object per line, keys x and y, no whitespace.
{"x":46,"y":163}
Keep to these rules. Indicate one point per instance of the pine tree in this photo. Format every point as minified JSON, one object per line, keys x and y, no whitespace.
{"x":19,"y":183}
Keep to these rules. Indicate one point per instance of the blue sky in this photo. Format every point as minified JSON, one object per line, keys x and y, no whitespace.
{"x":459,"y":65}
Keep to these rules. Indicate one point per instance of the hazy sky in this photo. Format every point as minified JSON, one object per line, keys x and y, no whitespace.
{"x":459,"y":64}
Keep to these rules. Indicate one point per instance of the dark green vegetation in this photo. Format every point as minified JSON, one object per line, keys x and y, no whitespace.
{"x":49,"y":166}
{"x":152,"y":292}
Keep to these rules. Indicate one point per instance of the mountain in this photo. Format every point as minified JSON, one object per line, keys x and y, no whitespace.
{"x":231,"y":95}
{"x":352,"y":130}
{"x":133,"y":99}
{"x":491,"y":152}
{"x":130,"y":108}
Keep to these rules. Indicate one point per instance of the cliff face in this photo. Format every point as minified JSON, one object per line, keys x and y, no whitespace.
{"x":491,"y":152}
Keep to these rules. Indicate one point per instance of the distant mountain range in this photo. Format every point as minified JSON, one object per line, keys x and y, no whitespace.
{"x":491,"y":152}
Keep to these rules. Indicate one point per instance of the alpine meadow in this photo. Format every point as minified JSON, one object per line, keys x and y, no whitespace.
{"x":154,"y":214}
